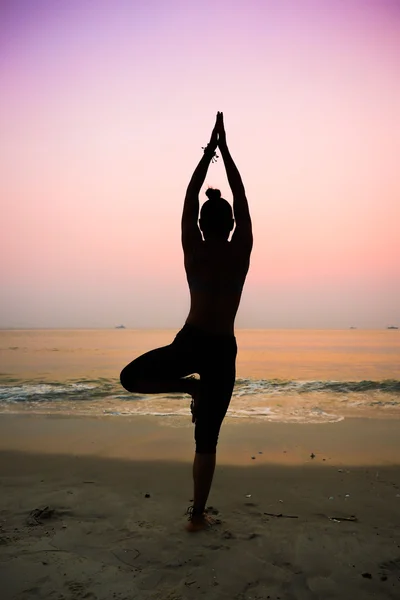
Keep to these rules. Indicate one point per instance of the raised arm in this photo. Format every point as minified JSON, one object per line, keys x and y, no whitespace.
{"x":190,"y":230}
{"x":243,"y":229}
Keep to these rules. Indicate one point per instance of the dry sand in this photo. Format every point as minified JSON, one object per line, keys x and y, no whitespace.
{"x":102,"y":538}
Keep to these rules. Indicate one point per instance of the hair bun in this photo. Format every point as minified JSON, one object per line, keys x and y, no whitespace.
{"x":213,"y":194}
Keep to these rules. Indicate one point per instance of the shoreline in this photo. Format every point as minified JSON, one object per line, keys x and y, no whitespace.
{"x":352,"y":441}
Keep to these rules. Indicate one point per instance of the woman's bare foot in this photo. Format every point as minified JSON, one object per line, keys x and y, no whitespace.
{"x":193,"y":410}
{"x":195,"y":400}
{"x":200,"y":522}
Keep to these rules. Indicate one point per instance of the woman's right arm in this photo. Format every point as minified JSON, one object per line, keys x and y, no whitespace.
{"x":243,"y":230}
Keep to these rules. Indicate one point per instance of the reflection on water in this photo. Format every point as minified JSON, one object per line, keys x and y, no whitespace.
{"x":282,"y":375}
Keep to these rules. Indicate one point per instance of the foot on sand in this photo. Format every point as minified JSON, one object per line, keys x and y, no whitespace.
{"x":199,"y":522}
{"x":193,"y":410}
{"x":195,"y":402}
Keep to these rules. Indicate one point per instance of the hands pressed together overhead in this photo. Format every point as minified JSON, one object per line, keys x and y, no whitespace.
{"x":240,"y":205}
{"x":218,"y":136}
{"x":220,"y":129}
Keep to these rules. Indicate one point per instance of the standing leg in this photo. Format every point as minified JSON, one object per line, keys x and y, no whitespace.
{"x":217,"y":382}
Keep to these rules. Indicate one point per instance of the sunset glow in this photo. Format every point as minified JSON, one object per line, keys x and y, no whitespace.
{"x":104,"y":109}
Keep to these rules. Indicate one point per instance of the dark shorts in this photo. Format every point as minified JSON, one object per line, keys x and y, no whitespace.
{"x":213,"y":357}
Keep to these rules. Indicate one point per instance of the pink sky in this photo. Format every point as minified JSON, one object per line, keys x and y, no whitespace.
{"x":103,"y":111}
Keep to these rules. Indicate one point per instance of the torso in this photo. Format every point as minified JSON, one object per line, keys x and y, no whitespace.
{"x":216,"y":273}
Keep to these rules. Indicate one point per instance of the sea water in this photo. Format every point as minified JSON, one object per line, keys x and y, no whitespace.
{"x":302,"y":376}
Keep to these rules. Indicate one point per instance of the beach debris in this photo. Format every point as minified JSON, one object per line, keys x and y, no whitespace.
{"x":259,"y":452}
{"x":331,"y":498}
{"x":352,"y":519}
{"x":147,"y":495}
{"x":253,"y":458}
{"x":280,"y":501}
{"x":340,"y":470}
{"x":347,"y":496}
{"x":312,"y":455}
{"x":280,"y":515}
{"x":37,"y":514}
{"x":248,"y":495}
{"x":366,"y":575}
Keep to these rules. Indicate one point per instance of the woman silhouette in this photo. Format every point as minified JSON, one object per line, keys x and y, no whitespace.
{"x":216,"y":270}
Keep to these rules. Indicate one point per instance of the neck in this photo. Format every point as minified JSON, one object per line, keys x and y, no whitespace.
{"x":215,"y":240}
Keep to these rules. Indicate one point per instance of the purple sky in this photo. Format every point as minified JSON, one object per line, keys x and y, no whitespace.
{"x":103,"y":111}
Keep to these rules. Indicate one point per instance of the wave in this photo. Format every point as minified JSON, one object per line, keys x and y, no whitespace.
{"x":44,"y":392}
{"x":13,"y":390}
{"x":279,"y":386}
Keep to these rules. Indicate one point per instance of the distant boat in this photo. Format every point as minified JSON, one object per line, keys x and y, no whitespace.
{"x":352,"y":327}
{"x":392,"y":327}
{"x":120,"y":327}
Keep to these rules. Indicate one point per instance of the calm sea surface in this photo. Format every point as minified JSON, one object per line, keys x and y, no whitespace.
{"x":282,"y":375}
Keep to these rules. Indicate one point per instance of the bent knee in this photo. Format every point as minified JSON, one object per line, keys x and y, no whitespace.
{"x":129,"y":380}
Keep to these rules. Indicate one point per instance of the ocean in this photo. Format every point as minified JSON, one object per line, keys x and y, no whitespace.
{"x":293,"y":376}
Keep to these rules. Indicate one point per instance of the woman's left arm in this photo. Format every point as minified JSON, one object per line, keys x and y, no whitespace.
{"x":190,"y":230}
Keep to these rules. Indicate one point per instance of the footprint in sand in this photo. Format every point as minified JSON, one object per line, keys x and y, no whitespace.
{"x":228,"y":535}
{"x":127,"y":556}
{"x":390,"y":566}
{"x":79,"y":590}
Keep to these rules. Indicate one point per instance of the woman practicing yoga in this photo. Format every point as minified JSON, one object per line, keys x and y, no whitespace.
{"x":216,"y":270}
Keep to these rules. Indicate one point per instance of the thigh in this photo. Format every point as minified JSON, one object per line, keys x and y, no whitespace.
{"x":217,"y":383}
{"x":167,"y":362}
{"x":217,"y":376}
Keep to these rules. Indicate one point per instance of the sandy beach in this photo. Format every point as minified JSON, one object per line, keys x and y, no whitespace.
{"x":94,"y":508}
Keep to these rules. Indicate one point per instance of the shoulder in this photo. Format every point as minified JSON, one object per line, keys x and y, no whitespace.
{"x":193,"y":249}
{"x":192,"y":240}
{"x":242,"y":238}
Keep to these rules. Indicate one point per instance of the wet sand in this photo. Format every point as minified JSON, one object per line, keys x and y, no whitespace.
{"x":102,"y":538}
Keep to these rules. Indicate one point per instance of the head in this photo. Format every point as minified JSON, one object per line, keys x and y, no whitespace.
{"x":216,"y":216}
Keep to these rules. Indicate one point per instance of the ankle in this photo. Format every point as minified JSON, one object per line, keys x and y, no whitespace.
{"x":192,"y":385}
{"x":198,"y":511}
{"x":195,"y":513}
